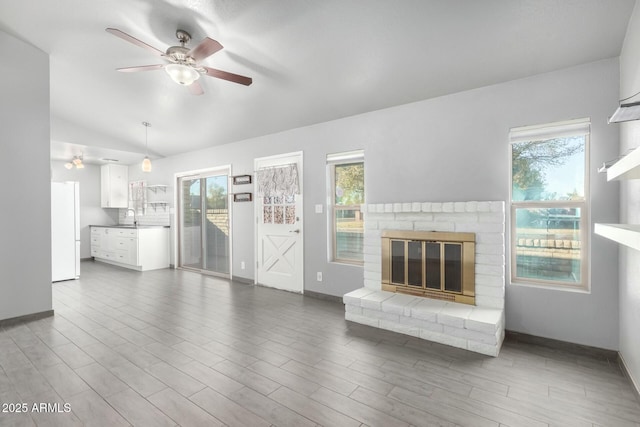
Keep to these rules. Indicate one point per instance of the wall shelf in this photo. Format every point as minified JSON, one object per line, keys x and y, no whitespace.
{"x":155,"y":205}
{"x":625,"y":234}
{"x":157,"y":187}
{"x":627,"y":167}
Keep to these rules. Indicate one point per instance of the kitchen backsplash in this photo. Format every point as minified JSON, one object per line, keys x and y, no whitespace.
{"x":159,"y":217}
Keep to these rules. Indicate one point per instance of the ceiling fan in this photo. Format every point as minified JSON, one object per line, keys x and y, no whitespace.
{"x":183,"y":64}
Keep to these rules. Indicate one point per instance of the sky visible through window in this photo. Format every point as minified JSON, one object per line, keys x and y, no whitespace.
{"x":549,"y":170}
{"x":567,"y":178}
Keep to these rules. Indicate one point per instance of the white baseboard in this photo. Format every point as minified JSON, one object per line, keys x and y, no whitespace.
{"x":627,"y":373}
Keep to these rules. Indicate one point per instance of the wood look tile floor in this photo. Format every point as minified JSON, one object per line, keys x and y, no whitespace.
{"x":170,"y":347}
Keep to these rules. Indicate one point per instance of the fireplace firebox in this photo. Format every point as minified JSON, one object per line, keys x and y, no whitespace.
{"x":431,"y":264}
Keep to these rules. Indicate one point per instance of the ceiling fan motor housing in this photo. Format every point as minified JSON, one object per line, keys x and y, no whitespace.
{"x":180,"y":55}
{"x":183,"y":36}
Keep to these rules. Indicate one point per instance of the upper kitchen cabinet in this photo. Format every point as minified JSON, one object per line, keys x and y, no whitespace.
{"x":114,"y":186}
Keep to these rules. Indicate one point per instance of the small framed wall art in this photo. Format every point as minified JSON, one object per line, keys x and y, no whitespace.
{"x":241,"y":179}
{"x":242,"y":197}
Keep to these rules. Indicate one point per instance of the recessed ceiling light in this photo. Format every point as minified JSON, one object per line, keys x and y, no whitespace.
{"x":109,"y":160}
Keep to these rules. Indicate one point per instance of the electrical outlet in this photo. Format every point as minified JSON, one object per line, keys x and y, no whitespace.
{"x":319,"y":276}
{"x":242,"y":265}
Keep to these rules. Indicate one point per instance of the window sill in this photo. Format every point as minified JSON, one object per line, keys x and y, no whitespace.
{"x":347,"y":263}
{"x":552,"y":287}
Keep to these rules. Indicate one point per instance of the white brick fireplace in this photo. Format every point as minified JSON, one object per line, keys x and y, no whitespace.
{"x":478,"y":328}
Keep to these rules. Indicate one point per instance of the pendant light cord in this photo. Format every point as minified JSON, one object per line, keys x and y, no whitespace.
{"x":146,"y":137}
{"x":146,"y":163}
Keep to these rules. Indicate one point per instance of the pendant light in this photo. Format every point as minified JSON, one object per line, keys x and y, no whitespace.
{"x":146,"y":163}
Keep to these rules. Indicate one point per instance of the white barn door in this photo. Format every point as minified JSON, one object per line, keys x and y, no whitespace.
{"x":279,"y":225}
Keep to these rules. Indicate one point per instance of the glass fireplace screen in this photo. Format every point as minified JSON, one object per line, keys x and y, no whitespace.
{"x":433,"y":264}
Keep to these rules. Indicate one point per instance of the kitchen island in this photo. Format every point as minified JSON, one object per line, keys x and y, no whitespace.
{"x":142,"y":247}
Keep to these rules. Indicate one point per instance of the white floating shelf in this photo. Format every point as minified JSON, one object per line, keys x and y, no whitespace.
{"x":156,"y":187}
{"x":626,"y":168}
{"x":155,"y":205}
{"x":625,"y":234}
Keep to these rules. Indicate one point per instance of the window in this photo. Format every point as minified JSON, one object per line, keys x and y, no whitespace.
{"x":549,"y":204}
{"x":346,"y":195}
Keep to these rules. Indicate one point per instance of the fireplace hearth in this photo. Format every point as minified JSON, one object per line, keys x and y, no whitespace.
{"x":423,"y":289}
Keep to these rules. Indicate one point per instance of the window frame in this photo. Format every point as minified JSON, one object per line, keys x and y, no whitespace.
{"x":543,"y":133}
{"x":333,"y":160}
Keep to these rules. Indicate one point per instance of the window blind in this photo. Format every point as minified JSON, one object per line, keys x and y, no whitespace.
{"x":548,"y":131}
{"x":345,"y":157}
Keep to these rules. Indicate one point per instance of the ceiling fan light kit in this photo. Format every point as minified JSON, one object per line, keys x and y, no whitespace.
{"x":76,"y":161}
{"x":182,"y":74}
{"x":183,"y":63}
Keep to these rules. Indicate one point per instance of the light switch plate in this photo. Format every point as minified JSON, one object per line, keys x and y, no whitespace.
{"x":318,"y":208}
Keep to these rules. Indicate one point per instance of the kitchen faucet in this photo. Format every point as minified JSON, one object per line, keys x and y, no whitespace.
{"x":135,"y":221}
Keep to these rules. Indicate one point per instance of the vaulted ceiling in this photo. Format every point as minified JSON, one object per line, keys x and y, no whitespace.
{"x":311,"y":61}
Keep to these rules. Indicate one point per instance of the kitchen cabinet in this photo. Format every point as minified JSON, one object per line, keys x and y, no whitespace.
{"x":114,"y":189}
{"x":141,"y":248}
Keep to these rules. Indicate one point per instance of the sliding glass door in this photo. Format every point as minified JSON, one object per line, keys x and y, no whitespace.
{"x":204,"y":222}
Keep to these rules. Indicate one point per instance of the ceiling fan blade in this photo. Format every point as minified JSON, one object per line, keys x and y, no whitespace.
{"x":207,"y":47}
{"x":131,"y":39}
{"x":195,"y":88}
{"x":236,"y":78}
{"x":141,"y":68}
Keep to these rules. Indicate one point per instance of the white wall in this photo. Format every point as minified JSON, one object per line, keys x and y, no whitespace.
{"x":630,"y":206}
{"x":453,"y":148}
{"x":25,"y":217}
{"x":90,"y":211}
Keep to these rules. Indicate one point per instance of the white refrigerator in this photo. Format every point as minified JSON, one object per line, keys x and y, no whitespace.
{"x":65,"y":231}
